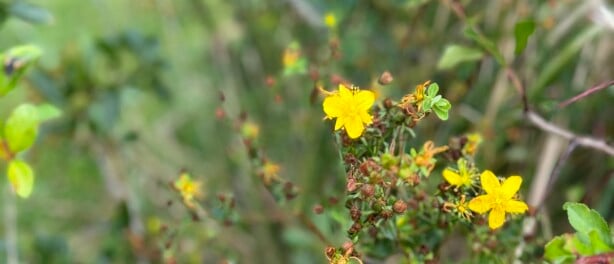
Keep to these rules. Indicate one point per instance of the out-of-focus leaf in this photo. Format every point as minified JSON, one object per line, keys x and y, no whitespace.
{"x":15,"y":62}
{"x":21,"y":178}
{"x":104,"y":112}
{"x":522,"y":31}
{"x":556,"y":64}
{"x":486,"y":44}
{"x":30,"y":13}
{"x":584,"y":220}
{"x":4,"y":13}
{"x":557,"y":252}
{"x":455,"y":54}
{"x":47,"y":111}
{"x":21,"y":127}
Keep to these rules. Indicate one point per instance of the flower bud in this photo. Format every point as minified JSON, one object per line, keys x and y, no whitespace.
{"x":385,"y":78}
{"x":399,"y":207}
{"x":368,"y":190}
{"x":318,"y":209}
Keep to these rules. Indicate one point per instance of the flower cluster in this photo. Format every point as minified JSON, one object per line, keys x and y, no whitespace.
{"x":388,"y":196}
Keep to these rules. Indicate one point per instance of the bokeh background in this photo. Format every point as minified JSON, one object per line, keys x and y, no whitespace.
{"x":139,"y":83}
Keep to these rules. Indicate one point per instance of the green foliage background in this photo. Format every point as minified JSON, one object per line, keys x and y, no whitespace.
{"x":139,"y":83}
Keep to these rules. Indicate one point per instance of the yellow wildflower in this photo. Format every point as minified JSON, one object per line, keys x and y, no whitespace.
{"x":330,"y":20}
{"x":499,"y":198}
{"x":351,"y":108}
{"x":425,"y":157}
{"x":269,"y":172}
{"x":473,"y":141}
{"x":461,"y":178}
{"x":461,"y":208}
{"x":291,"y":56}
{"x":188,"y":188}
{"x":250,"y":130}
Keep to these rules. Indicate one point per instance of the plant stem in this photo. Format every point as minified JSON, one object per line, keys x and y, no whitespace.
{"x":10,"y":225}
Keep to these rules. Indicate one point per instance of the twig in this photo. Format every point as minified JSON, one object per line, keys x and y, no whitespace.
{"x":546,"y":126}
{"x":556,"y":172}
{"x":585,"y":141}
{"x":588,"y":92}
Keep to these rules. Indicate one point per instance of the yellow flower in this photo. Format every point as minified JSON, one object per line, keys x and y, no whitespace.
{"x":473,"y":141}
{"x":425,"y":157}
{"x":269,"y":172}
{"x":188,"y":188}
{"x":499,"y":198}
{"x":330,"y":20}
{"x":416,"y":97}
{"x":460,"y":208}
{"x":351,"y":108}
{"x":291,"y":57}
{"x":461,"y":178}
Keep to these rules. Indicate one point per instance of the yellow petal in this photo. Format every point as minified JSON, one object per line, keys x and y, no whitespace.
{"x":510,"y":186}
{"x":490,"y":183}
{"x":354,"y":127}
{"x":344,"y":91}
{"x":516,"y":207}
{"x":339,"y":123}
{"x":332,"y":106}
{"x":496,"y":218}
{"x":452,"y":177}
{"x":364,"y":99}
{"x":480,"y":204}
{"x":366,"y":117}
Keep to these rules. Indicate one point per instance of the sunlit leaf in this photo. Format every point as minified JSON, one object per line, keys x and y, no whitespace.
{"x":21,"y":127}
{"x":21,"y":178}
{"x":556,"y":251}
{"x":15,"y":62}
{"x":584,"y":220}
{"x":47,"y":111}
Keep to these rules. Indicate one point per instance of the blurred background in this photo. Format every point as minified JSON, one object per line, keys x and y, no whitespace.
{"x":151,"y":87}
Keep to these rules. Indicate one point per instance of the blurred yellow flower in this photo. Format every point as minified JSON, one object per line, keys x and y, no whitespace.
{"x":473,"y":142}
{"x":460,"y":178}
{"x":351,"y":108}
{"x":269,"y":172}
{"x":291,"y":57}
{"x":499,"y":198}
{"x":250,"y":130}
{"x":330,"y":20}
{"x":188,"y":188}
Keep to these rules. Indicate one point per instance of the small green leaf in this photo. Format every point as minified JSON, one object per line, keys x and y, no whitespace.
{"x":486,"y":44}
{"x":522,"y":31}
{"x":597,"y":244}
{"x":21,"y":127}
{"x":455,"y":54}
{"x":584,"y":220}
{"x":21,"y":178}
{"x":432,"y":90}
{"x":47,"y":111}
{"x":556,"y":252}
{"x":426,"y":104}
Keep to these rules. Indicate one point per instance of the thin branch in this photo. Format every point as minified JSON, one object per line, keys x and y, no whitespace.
{"x":585,"y":141}
{"x":546,"y":126}
{"x":588,"y":92}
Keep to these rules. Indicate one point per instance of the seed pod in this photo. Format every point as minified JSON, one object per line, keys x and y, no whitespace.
{"x":385,"y":78}
{"x":399,"y":207}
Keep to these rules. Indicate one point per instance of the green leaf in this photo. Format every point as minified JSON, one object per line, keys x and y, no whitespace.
{"x":21,"y":127}
{"x":47,"y":111}
{"x":486,"y":44}
{"x":584,"y":220}
{"x":30,"y":13}
{"x":15,"y":62}
{"x":455,"y":54}
{"x":432,"y":90}
{"x":21,"y":178}
{"x":597,"y":244}
{"x":522,"y":31}
{"x":556,"y":252}
{"x":442,"y":108}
